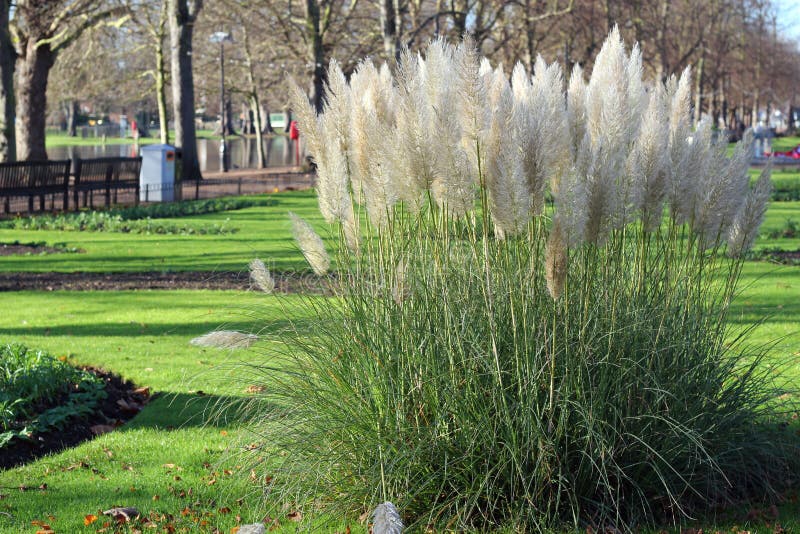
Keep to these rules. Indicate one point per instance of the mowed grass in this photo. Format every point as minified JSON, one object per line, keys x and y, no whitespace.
{"x":169,"y":459}
{"x":263,"y":232}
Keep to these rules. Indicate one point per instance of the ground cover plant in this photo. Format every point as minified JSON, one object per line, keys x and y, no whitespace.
{"x":510,"y":366}
{"x":139,"y":219}
{"x":39,"y":393}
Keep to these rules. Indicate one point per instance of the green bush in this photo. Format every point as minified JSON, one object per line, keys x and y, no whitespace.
{"x":39,"y":392}
{"x":490,"y":363}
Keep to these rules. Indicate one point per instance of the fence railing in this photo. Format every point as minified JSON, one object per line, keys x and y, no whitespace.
{"x":203,"y":189}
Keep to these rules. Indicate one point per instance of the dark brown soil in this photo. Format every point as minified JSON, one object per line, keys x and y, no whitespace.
{"x":123,"y":402}
{"x":286,"y":283}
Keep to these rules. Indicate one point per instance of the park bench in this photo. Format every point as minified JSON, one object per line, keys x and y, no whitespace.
{"x":34,"y":178}
{"x":106,"y":175}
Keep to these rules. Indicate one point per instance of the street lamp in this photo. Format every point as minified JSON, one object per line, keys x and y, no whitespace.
{"x":222,"y":38}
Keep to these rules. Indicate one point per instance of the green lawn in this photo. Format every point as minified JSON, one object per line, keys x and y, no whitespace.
{"x":56,"y":139}
{"x":167,"y":460}
{"x":262,"y":232}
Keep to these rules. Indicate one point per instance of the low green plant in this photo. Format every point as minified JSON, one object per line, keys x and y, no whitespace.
{"x":138,"y":219}
{"x":101,"y":221}
{"x":790,"y":229}
{"x":786,"y":187}
{"x":491,"y":363}
{"x":39,"y":392}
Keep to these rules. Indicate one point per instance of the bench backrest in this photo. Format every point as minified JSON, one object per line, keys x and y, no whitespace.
{"x":98,"y":173}
{"x":34,"y":177}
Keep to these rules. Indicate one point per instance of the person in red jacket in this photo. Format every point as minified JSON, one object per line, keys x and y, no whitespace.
{"x":294,"y":135}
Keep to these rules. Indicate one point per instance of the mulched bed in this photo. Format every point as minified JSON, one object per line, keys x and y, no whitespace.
{"x":285,"y":283}
{"x":124,"y":401}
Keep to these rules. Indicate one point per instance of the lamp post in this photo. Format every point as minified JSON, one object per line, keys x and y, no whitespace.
{"x":222,"y":38}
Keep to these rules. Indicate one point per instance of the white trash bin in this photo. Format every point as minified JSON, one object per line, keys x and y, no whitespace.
{"x":157,"y":179}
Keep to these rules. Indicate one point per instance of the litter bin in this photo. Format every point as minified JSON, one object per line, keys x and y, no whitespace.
{"x":157,"y":179}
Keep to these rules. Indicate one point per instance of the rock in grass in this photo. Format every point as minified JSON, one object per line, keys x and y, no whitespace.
{"x":386,"y":519}
{"x":254,"y":528}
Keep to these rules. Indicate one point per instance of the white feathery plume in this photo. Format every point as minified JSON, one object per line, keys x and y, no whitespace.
{"x":576,"y":109}
{"x":721,"y":190}
{"x":550,"y":130}
{"x":310,"y":244}
{"x":650,"y":157}
{"x":352,"y":234}
{"x":372,"y":176}
{"x":504,"y":178}
{"x":611,"y":130}
{"x":680,"y":180}
{"x":261,"y":277}
{"x":744,"y":229}
{"x":386,"y":519}
{"x":225,"y":339}
{"x":453,"y":184}
{"x":413,"y":155}
{"x":471,"y":90}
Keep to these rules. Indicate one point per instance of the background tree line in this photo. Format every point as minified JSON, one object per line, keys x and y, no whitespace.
{"x":124,"y":55}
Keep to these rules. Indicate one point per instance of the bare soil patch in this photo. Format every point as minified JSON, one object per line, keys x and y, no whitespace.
{"x":124,"y":400}
{"x":221,"y":280}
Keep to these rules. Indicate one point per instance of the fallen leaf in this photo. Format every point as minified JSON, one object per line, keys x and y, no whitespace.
{"x":224,"y":510}
{"x":123,"y":514}
{"x":89,"y":519}
{"x":294,"y":516}
{"x":212,"y":481}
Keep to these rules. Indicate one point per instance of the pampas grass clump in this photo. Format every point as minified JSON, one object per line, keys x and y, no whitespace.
{"x":490,"y":361}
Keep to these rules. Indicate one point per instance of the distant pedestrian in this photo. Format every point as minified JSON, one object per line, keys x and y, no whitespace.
{"x":294,"y":135}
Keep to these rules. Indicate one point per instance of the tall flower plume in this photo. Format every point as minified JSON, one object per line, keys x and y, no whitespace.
{"x":310,"y":244}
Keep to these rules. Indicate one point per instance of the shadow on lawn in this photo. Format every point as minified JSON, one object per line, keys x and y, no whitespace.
{"x":175,"y":411}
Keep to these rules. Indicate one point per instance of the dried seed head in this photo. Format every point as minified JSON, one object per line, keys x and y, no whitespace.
{"x":261,"y":277}
{"x":556,"y":261}
{"x":225,"y":339}
{"x":744,"y":229}
{"x":310,"y":244}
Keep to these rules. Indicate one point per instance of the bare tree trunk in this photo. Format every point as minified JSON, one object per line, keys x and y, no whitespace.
{"x":8,"y":57}
{"x":181,"y":24}
{"x":256,"y":110}
{"x":34,"y":69}
{"x":698,"y":90}
{"x":229,"y":129}
{"x":72,"y":110}
{"x":391,"y":39}
{"x":316,"y":53}
{"x":161,"y":76}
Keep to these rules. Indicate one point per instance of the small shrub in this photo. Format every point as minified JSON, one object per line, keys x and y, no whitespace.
{"x":39,"y":392}
{"x":489,"y":362}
